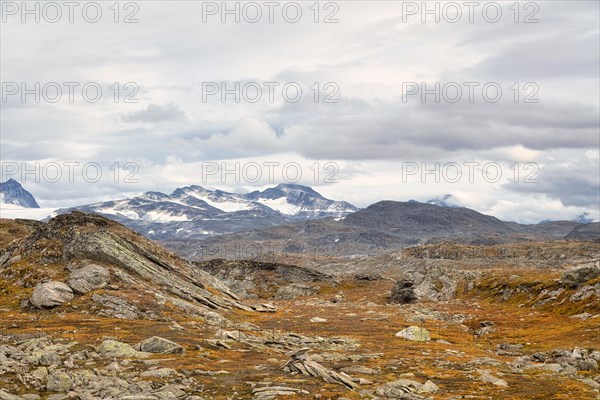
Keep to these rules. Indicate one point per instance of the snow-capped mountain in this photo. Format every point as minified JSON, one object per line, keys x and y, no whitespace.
{"x":11,"y":192}
{"x":194,"y":211}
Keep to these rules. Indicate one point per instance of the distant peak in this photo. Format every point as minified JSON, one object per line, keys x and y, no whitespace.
{"x":293,"y":186}
{"x":11,"y":181}
{"x":296,"y":187}
{"x":14,"y":193}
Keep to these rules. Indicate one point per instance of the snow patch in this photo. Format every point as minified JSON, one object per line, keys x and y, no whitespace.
{"x":281,"y":205}
{"x":13,"y":211}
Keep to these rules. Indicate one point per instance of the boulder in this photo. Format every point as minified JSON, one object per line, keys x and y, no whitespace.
{"x":403,"y":292}
{"x":113,"y":348}
{"x":59,"y":381}
{"x":576,"y":276}
{"x":401,"y":387}
{"x":487,"y":377}
{"x":415,"y":334}
{"x":157,"y":344}
{"x":51,"y":294}
{"x":88,"y":278}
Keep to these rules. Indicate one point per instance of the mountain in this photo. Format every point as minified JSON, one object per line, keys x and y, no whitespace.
{"x":382,"y":227}
{"x":590,"y":231}
{"x":445,"y":201}
{"x":11,"y":192}
{"x":195,"y":212}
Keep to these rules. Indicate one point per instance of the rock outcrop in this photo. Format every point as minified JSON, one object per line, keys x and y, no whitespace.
{"x":580,"y":274}
{"x":301,"y":363}
{"x":73,"y":238}
{"x":88,"y":278}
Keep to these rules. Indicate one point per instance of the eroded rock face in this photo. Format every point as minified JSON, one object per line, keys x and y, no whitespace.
{"x":426,"y":283}
{"x":403,"y":292}
{"x":88,"y":278}
{"x":114,"y":306}
{"x":51,"y":294}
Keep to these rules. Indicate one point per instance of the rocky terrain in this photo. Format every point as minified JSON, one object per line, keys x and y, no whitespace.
{"x":92,"y":310}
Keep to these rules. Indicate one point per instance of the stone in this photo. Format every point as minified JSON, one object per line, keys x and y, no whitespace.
{"x":51,"y":294}
{"x":588,"y":364}
{"x":59,"y":381}
{"x":113,"y":348}
{"x":156,"y":344}
{"x":50,"y":358}
{"x":546,"y":367}
{"x":4,"y":395}
{"x":302,"y":363}
{"x":159,"y":373}
{"x":88,"y":278}
{"x":273,"y":392}
{"x":402,"y":387}
{"x":487,"y":377}
{"x":415,"y":334}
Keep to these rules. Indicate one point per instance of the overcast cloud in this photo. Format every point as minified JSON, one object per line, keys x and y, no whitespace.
{"x":170,"y":63}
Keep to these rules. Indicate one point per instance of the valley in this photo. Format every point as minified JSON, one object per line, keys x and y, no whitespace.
{"x":434,"y":321}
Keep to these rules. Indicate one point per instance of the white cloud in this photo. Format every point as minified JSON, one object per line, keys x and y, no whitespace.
{"x":369,"y":54}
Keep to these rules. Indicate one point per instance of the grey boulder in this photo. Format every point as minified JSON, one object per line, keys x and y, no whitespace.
{"x":51,"y":294}
{"x":157,"y":344}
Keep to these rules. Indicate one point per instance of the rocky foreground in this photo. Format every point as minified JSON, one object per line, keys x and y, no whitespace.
{"x":91,"y":310}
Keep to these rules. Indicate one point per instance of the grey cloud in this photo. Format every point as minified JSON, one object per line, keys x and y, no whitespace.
{"x":155,"y":113}
{"x":573,"y":180}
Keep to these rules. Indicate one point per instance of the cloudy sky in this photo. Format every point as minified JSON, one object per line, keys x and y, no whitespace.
{"x":364,"y":101}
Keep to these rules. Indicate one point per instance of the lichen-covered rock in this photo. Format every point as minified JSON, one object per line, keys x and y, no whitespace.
{"x":59,"y":381}
{"x":113,"y":348}
{"x":116,"y":307}
{"x":157,"y":344}
{"x":51,"y":294}
{"x":415,"y":334}
{"x":88,"y":278}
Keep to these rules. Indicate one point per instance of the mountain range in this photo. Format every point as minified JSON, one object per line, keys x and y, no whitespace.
{"x":193,"y":212}
{"x":294,"y":219}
